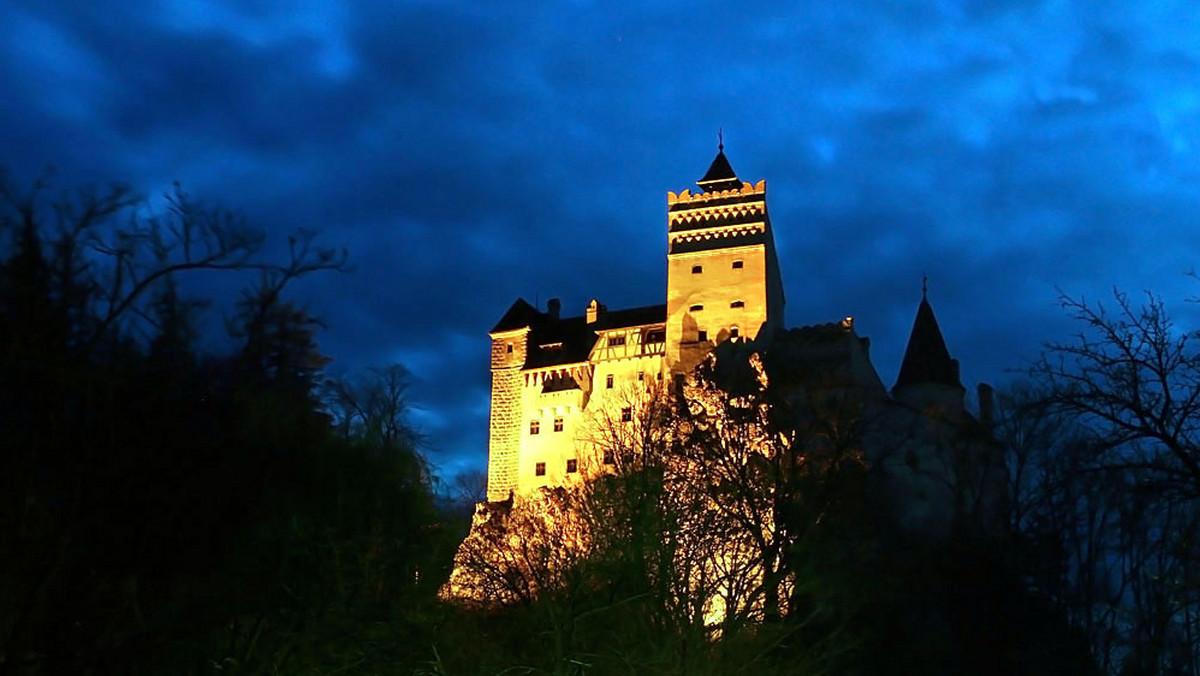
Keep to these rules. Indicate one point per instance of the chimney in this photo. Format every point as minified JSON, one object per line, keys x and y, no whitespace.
{"x":986,"y":405}
{"x":594,"y":310}
{"x":553,"y":306}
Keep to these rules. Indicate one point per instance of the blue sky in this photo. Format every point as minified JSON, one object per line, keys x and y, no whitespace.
{"x":471,"y":152}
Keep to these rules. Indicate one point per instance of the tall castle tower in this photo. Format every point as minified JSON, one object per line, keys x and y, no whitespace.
{"x":554,"y":376}
{"x":723,"y":276}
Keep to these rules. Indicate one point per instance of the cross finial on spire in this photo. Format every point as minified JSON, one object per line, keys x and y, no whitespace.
{"x":924,"y":286}
{"x":720,"y":139}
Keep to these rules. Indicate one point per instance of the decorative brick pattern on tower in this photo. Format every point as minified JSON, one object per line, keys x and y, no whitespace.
{"x":504,"y":441}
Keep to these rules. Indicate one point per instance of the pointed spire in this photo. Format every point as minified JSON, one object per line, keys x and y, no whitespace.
{"x":926,"y":360}
{"x":720,"y":174}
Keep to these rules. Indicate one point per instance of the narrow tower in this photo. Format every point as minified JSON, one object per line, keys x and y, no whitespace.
{"x":509,"y":349}
{"x":928,"y":378}
{"x":723,"y":277}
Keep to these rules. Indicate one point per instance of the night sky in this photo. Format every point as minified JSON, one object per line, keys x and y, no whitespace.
{"x":468,"y":153}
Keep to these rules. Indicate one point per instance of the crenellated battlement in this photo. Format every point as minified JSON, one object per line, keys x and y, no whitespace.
{"x":687,"y":197}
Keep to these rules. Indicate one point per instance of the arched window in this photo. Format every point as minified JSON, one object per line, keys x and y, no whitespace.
{"x":733,"y":332}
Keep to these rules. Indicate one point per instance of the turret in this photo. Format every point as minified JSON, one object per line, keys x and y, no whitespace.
{"x":929,"y":379}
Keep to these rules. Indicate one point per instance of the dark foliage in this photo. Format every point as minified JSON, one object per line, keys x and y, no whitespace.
{"x":169,"y":511}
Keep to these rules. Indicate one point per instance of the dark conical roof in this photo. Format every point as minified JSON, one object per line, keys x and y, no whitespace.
{"x":926,"y":360}
{"x":521,"y":314}
{"x":720,"y":175}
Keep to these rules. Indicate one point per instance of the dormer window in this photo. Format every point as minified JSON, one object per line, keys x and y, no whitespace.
{"x":697,"y":269}
{"x":737,"y":265}
{"x":737,"y":304}
{"x":696,"y":308}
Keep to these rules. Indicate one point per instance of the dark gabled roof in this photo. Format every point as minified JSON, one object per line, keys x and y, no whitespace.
{"x":634,"y":316}
{"x":926,"y":360}
{"x":720,"y":175}
{"x":570,"y":340}
{"x":520,"y":315}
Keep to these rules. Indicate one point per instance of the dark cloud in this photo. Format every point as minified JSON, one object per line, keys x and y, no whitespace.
{"x":468,"y":154}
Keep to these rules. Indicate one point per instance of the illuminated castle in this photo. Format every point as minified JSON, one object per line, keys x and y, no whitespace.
{"x":549,"y":371}
{"x":554,"y":376}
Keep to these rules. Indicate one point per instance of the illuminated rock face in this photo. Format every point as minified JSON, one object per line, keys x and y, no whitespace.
{"x":553,"y":377}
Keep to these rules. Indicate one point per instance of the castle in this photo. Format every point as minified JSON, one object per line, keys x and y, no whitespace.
{"x":552,"y":375}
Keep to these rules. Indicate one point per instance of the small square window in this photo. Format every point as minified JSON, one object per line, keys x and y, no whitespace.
{"x":558,"y":424}
{"x":697,"y":269}
{"x":572,"y":466}
{"x":610,"y":458}
{"x":701,"y":335}
{"x":608,"y":382}
{"x":737,"y":304}
{"x":535,"y":427}
{"x":737,"y":265}
{"x":540,"y":469}
{"x":696,"y":308}
{"x":626,"y":414}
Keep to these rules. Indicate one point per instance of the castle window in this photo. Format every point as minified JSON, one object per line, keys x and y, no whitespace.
{"x":733,"y":332}
{"x":610,"y":458}
{"x":572,"y":466}
{"x":626,"y":414}
{"x":509,"y":348}
{"x":608,"y":382}
{"x":540,"y":469}
{"x":696,"y":308}
{"x":697,"y":269}
{"x":737,"y":304}
{"x":641,"y":376}
{"x":535,"y":427}
{"x":737,"y":265}
{"x":660,"y":376}
{"x":701,"y":336}
{"x":616,"y":340}
{"x":558,"y":424}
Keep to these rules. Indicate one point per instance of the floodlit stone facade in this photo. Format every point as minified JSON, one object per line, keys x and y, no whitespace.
{"x":561,"y":384}
{"x":557,"y":380}
{"x":554,"y":377}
